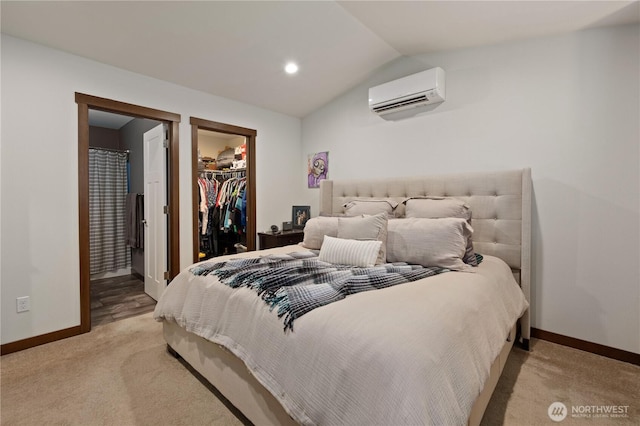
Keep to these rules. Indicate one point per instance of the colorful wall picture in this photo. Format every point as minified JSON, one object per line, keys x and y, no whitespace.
{"x":317,"y":168}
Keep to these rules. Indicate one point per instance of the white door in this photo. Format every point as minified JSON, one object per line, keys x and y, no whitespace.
{"x":155,"y":200}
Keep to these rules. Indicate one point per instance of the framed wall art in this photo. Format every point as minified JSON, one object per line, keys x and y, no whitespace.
{"x":317,"y":168}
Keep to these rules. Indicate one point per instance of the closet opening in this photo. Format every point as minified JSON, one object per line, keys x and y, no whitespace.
{"x":95,"y":142}
{"x":223,"y":176}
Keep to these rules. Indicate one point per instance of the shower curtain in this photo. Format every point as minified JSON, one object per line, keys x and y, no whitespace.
{"x":107,"y":198}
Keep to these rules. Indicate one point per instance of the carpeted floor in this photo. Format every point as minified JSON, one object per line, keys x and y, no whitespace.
{"x":121,"y":374}
{"x":532,"y":381}
{"x":118,"y":374}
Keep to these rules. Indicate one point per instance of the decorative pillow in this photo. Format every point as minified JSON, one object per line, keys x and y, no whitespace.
{"x":349,"y":252}
{"x":366,"y":228}
{"x":429,"y":242}
{"x":441,"y":207}
{"x":370,"y":207}
{"x":316,"y":228}
{"x":437,"y":207}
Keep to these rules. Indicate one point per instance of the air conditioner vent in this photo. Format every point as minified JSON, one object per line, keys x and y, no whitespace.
{"x":401,"y":104}
{"x":423,"y":88}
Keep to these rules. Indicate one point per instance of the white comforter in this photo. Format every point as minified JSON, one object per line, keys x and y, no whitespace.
{"x":415,"y":353}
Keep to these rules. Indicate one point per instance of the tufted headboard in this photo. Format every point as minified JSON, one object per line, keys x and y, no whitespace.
{"x":500,"y":204}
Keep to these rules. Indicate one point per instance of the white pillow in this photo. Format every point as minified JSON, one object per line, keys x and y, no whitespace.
{"x":366,"y":228}
{"x":349,"y":252}
{"x":429,"y":242}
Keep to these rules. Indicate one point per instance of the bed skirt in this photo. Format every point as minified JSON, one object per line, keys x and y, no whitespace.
{"x":230,"y":376}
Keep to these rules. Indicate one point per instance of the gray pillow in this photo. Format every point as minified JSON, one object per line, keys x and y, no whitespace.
{"x":437,"y":207}
{"x":316,"y":228}
{"x":429,"y":242}
{"x":440,"y":207}
{"x":370,"y":207}
{"x":366,"y":228}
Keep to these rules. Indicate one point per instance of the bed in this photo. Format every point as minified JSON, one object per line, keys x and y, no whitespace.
{"x":427,"y":351}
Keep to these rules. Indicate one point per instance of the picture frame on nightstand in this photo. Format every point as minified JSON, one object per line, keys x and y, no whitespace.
{"x":300,"y":215}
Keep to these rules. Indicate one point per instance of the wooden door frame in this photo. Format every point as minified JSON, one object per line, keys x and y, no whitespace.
{"x":250,"y":134}
{"x":85,"y":103}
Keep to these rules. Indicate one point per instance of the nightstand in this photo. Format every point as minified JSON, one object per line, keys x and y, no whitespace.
{"x":284,"y":238}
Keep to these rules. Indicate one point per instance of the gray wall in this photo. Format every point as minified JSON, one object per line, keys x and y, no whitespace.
{"x":101,"y":137}
{"x":566,"y":106}
{"x":38,"y":81}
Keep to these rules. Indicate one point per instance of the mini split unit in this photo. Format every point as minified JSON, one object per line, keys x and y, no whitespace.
{"x":423,"y":88}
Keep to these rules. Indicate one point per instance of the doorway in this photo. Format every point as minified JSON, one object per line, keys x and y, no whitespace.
{"x":249,"y":136}
{"x":85,"y":103}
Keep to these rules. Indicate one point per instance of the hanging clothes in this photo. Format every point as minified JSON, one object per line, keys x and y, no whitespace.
{"x":221,"y":209}
{"x":134,"y":230}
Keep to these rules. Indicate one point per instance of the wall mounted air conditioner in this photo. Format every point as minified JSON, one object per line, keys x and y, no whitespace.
{"x":423,"y":88}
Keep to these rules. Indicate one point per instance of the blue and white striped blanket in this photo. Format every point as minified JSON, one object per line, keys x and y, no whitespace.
{"x":298,"y":282}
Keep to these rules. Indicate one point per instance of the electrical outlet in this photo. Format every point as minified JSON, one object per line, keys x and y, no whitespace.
{"x":23,"y":304}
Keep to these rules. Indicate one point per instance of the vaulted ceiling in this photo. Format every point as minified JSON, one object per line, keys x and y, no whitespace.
{"x":237,"y":49}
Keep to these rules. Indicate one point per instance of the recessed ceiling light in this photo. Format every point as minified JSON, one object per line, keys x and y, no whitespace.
{"x":291,"y":68}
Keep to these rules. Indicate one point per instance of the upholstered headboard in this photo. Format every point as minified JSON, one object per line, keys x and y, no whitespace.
{"x":500,"y":203}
